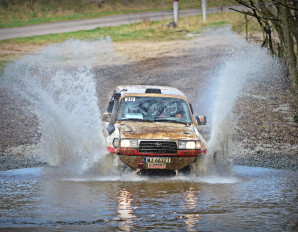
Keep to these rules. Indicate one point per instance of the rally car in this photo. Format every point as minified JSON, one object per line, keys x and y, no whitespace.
{"x":153,"y":128}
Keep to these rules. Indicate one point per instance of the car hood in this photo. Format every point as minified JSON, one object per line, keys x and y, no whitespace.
{"x":156,"y":130}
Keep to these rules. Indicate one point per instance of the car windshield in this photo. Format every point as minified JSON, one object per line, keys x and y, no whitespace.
{"x":154,"y":109}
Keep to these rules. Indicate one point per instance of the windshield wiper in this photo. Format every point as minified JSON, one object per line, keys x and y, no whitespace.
{"x":168,"y":120}
{"x":135,"y":119}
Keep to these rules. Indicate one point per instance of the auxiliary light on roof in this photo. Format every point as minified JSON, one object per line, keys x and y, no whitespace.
{"x":151,"y":90}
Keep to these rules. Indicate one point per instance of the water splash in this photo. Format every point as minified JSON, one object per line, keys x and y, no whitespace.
{"x":59,"y":84}
{"x":243,"y":63}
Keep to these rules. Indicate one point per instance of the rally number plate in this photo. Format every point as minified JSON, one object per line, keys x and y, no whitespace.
{"x":157,"y":160}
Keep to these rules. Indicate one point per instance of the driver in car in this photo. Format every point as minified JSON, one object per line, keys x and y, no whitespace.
{"x":133,"y":108}
{"x":171,"y":111}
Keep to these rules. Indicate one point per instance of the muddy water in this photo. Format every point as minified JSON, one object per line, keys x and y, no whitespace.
{"x":65,"y":95}
{"x":250,"y":199}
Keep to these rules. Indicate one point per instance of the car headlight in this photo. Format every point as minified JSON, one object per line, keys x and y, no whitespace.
{"x":116,"y":142}
{"x":129,"y":143}
{"x":189,"y":145}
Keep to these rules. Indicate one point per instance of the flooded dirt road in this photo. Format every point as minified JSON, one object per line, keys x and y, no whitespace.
{"x":249,"y":199}
{"x":66,"y":87}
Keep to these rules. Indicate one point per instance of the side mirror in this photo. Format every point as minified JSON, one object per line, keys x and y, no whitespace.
{"x":106,"y":117}
{"x":111,"y":129}
{"x":202,"y":120}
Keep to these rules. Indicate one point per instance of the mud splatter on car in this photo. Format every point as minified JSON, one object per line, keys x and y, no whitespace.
{"x":153,"y":127}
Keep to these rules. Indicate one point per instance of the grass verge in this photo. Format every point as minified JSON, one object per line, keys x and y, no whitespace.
{"x":15,"y":13}
{"x":145,"y":31}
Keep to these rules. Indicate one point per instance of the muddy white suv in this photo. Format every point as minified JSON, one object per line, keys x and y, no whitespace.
{"x":152,"y":127}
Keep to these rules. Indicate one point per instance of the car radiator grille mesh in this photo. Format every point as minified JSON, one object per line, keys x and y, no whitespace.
{"x":157,"y":147}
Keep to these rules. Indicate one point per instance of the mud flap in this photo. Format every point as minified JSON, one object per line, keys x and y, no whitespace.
{"x":200,"y":166}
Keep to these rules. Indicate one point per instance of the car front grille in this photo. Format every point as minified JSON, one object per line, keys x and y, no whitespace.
{"x":158,"y":147}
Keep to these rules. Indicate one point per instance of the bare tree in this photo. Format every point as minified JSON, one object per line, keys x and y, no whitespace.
{"x":279,"y":16}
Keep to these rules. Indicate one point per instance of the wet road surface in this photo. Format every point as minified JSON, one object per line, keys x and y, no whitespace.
{"x":249,"y":199}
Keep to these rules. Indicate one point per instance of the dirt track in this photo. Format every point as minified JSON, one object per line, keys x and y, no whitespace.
{"x":266,"y":136}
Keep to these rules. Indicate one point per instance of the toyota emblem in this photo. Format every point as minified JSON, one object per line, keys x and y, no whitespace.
{"x":158,"y":144}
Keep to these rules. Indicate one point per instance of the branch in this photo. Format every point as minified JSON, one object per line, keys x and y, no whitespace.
{"x":253,"y":15}
{"x":243,"y":3}
{"x":265,"y":10}
{"x":239,"y":11}
{"x":284,"y":4}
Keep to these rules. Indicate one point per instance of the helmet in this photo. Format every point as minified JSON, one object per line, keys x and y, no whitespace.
{"x":133,"y":108}
{"x":153,"y":109}
{"x":172,"y":109}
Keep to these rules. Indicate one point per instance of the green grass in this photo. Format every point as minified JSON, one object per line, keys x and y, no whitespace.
{"x":28,"y":12}
{"x":15,"y":13}
{"x":151,"y":30}
{"x":146,"y":31}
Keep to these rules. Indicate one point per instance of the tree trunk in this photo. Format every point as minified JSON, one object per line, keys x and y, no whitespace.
{"x":285,"y":16}
{"x":294,"y":26}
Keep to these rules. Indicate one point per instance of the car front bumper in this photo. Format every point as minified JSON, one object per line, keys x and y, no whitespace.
{"x":177,"y":161}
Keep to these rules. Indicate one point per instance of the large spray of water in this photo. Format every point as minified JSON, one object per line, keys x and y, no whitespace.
{"x":242,"y":64}
{"x":59,"y":84}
